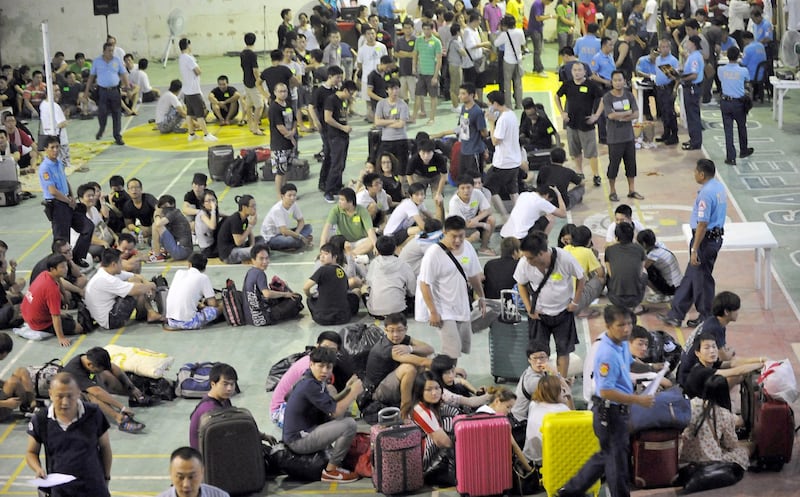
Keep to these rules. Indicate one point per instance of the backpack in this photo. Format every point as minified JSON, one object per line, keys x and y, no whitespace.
{"x":41,"y":376}
{"x":232,"y":304}
{"x":193,"y":380}
{"x":160,"y":388}
{"x":160,"y":297}
{"x":280,"y":368}
{"x":242,"y":170}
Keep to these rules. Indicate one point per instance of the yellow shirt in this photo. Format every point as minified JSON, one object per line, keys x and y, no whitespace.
{"x":585,"y":257}
{"x":514,"y":8}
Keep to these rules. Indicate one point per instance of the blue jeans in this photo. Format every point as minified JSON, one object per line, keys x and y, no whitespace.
{"x":284,"y":242}
{"x":177,"y":252}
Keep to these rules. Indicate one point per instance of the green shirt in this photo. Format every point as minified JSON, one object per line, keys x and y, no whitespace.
{"x":427,"y":50}
{"x":352,"y":227}
{"x":567,"y":13}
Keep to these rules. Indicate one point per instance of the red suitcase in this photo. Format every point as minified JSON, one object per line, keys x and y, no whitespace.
{"x":773,"y":433}
{"x":483,"y":454}
{"x":655,"y":457}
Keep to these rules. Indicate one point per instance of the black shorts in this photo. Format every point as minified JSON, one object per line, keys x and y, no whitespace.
{"x":67,"y":325}
{"x":148,"y":97}
{"x":400,"y":236}
{"x":561,"y":327}
{"x":195,"y":106}
{"x":502,"y":181}
{"x":121,"y":312}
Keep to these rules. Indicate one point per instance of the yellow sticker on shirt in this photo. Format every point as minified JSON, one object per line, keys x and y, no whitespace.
{"x":604,"y":369}
{"x":431,"y":169}
{"x":473,"y":204}
{"x":393,"y":111}
{"x":557,"y":277}
{"x":387,"y":77}
{"x":356,"y":218}
{"x":411,"y":43}
{"x":549,"y":129}
{"x":464,"y":260}
{"x":466,"y":115}
{"x":584,"y":89}
{"x":431,"y":43}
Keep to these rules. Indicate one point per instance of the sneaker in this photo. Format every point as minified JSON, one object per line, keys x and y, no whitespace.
{"x":361,"y":259}
{"x":329,"y":198}
{"x":193,"y":137}
{"x":455,"y":110}
{"x":597,"y":181}
{"x":210,"y":138}
{"x":129,"y":425}
{"x":156,"y":258}
{"x":144,"y":401}
{"x":339,"y":475}
{"x":657,"y":298}
{"x":668,"y":320}
{"x":542,"y":74}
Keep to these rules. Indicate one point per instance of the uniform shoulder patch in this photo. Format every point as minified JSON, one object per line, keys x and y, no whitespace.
{"x":604,"y":369}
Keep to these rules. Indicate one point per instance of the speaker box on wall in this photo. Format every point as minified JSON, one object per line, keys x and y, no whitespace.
{"x":106,"y":7}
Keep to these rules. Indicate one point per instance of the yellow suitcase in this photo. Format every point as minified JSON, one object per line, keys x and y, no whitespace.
{"x":568,"y":441}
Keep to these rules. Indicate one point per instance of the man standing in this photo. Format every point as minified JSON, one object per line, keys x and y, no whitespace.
{"x":427,"y":65}
{"x":75,"y":439}
{"x":447,"y":272}
{"x":733,"y":78}
{"x":620,"y":109}
{"x":338,"y":134}
{"x":602,"y":66}
{"x":404,"y":50}
{"x":610,"y":404}
{"x":536,"y":31}
{"x":253,"y":88}
{"x":187,"y":474}
{"x":551,"y":313}
{"x":192,"y":95}
{"x":691,"y":80}
{"x":510,"y":40}
{"x":707,"y":220}
{"x":503,"y":177}
{"x":369,"y":56}
{"x":665,"y":92}
{"x":109,"y":71}
{"x":317,"y":110}
{"x":60,"y":204}
{"x":392,"y":115}
{"x":471,"y":131}
{"x":282,"y":134}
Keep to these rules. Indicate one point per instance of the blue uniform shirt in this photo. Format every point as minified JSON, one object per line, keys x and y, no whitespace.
{"x":762,"y":30}
{"x":107,"y":73}
{"x":51,"y":173}
{"x":669,"y":60}
{"x":725,"y":45}
{"x":587,"y":47}
{"x":603,"y":65}
{"x":695,"y":65}
{"x":732,"y":76}
{"x":752,"y":56}
{"x":710,"y":206}
{"x":612,"y":366}
{"x":644,"y":65}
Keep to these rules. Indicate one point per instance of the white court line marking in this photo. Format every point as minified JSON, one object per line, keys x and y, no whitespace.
{"x":15,"y":359}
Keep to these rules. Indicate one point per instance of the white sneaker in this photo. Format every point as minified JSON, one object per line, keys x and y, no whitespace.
{"x":455,"y":110}
{"x":193,"y":138}
{"x":210,"y":138}
{"x":542,"y":74}
{"x":362,"y":259}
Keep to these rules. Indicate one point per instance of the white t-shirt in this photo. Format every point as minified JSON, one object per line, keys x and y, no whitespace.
{"x":651,"y":23}
{"x":279,"y":216}
{"x":369,"y":57}
{"x":588,"y":370}
{"x":468,"y":210}
{"x":47,"y":122}
{"x":186,"y":290}
{"x":529,"y":207}
{"x":190,"y":80}
{"x":558,"y":290}
{"x":533,"y":433}
{"x":143,"y":80}
{"x":471,"y":39}
{"x":364,"y":199}
{"x":507,"y":155}
{"x":166,"y":101}
{"x":512,"y":53}
{"x":637,"y":227}
{"x":403,"y":216}
{"x":446,"y":283}
{"x":102,"y":292}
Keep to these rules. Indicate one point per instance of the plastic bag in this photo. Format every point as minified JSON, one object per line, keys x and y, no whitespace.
{"x":357,"y":341}
{"x":778,"y":380}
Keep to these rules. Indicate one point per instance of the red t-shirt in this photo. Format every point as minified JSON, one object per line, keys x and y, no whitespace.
{"x":42,"y":301}
{"x":587,"y":12}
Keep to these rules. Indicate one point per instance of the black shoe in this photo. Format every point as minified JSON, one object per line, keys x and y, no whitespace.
{"x":730,"y":162}
{"x":671,"y":141}
{"x":668,"y":320}
{"x":144,"y":401}
{"x":694,"y":323}
{"x":98,"y":135}
{"x":82,"y":263}
{"x":688,"y":146}
{"x":597,"y":181}
{"x":662,"y":139}
{"x":119,"y":141}
{"x":686,"y":143}
{"x":747,"y":152}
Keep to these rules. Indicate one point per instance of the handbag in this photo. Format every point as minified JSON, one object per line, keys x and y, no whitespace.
{"x":671,"y":410}
{"x":534,"y":294}
{"x":696,"y":477}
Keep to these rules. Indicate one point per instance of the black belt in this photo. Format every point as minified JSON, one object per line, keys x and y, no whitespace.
{"x":607,"y":404}
{"x":731,"y":99}
{"x":686,"y":85}
{"x":663,"y":87}
{"x":713,"y":233}
{"x":109,"y":88}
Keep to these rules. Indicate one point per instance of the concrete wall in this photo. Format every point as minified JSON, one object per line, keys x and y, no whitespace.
{"x":214,"y":26}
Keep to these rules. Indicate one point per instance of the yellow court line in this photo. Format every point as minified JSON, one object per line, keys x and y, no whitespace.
{"x":8,"y":431}
{"x":222,"y":195}
{"x":680,"y":337}
{"x":13,"y":477}
{"x":116,"y":336}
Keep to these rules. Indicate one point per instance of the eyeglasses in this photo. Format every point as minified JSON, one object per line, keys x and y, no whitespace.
{"x":540,"y":358}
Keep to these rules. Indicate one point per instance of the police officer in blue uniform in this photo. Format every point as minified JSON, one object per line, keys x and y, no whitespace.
{"x":691,"y":81}
{"x":665,"y":92}
{"x":733,"y":78}
{"x":602,"y":66}
{"x":108,"y":71}
{"x":613,"y":395}
{"x":707,"y":221}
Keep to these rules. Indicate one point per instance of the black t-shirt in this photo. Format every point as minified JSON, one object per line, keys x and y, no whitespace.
{"x":144,"y":213}
{"x":12,"y":148}
{"x":11,"y":100}
{"x":627,"y":63}
{"x":83,"y":377}
{"x":221,"y":96}
{"x":558,"y":176}
{"x":117,"y":221}
{"x":232,"y":225}
{"x":536,"y":135}
{"x":69,"y":93}
{"x":437,"y":166}
{"x":192,"y":199}
{"x":248,"y":61}
{"x":179,"y":227}
{"x":338,"y":108}
{"x":499,"y":276}
{"x":581,"y":101}
{"x":378,"y":83}
{"x":321,"y":93}
{"x":332,"y":305}
{"x":565,"y":71}
{"x":274,"y":75}
{"x":280,"y":114}
{"x":255,"y":307}
{"x":393,"y":188}
{"x":380,"y":362}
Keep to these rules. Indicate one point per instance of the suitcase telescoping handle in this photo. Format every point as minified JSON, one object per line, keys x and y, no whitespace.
{"x":389,"y":416}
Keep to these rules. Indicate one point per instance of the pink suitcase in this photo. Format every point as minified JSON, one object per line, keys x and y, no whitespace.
{"x":483,"y":454}
{"x":396,"y":453}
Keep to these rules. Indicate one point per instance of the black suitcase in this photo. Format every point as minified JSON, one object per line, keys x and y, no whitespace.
{"x":507,"y":345}
{"x":373,"y":144}
{"x":298,"y":171}
{"x":9,"y":193}
{"x":219,"y":156}
{"x":231,"y":446}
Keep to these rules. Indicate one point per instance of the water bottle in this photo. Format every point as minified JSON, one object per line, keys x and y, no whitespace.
{"x":140,"y":239}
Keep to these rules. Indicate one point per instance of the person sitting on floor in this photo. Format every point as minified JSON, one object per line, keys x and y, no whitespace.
{"x":534,"y":210}
{"x":474,"y":207}
{"x":275,"y":228}
{"x":408,"y":218}
{"x":329,"y":301}
{"x":415,"y":248}
{"x":191,"y":300}
{"x":663,"y":271}
{"x":375,"y":199}
{"x":314,"y":420}
{"x":235,"y":235}
{"x":17,"y":391}
{"x":98,"y":379}
{"x":546,"y":398}
{"x":170,"y":112}
{"x":581,"y":250}
{"x":112,"y":294}
{"x":224,"y":100}
{"x":193,"y":199}
{"x":391,"y":282}
{"x":264,"y":304}
{"x":641,"y":371}
{"x":625,"y":269}
{"x":500,"y":272}
{"x":705,"y":348}
{"x":171,"y":232}
{"x":138,"y":210}
{"x":561,"y":177}
{"x":41,"y":306}
{"x":432,"y":415}
{"x":353,"y":222}
{"x":538,"y":353}
{"x":456,"y":390}
{"x":622,"y":214}
{"x":501,"y":399}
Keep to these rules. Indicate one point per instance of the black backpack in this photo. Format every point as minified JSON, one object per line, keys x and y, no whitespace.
{"x":242,"y":170}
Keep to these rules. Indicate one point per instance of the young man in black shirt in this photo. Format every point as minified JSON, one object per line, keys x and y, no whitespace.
{"x":277,"y":73}
{"x":224,"y":100}
{"x":561,"y":177}
{"x":377,"y":80}
{"x":317,"y":110}
{"x":282,"y":134}
{"x":235,"y":236}
{"x":338,"y":134}
{"x":139,"y":207}
{"x":253,"y":89}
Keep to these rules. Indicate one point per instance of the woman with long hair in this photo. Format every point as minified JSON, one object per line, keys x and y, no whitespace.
{"x":207,"y":223}
{"x":433,"y":416}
